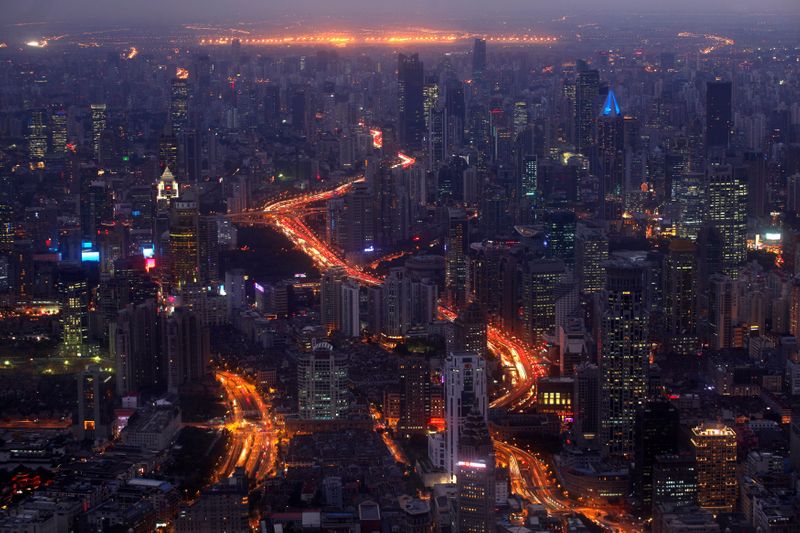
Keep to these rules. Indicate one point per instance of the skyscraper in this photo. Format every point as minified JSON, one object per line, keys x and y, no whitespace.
{"x":727,"y":216}
{"x":95,"y":404}
{"x":715,"y":450}
{"x":410,"y":101}
{"x":680,"y":296}
{"x":456,"y":259}
{"x":186,"y":348}
{"x":587,"y":93}
{"x":350,"y":321}
{"x":657,"y":429}
{"x":478,"y":58}
{"x":476,"y":477}
{"x":134,"y":343}
{"x":74,"y":295}
{"x":470,"y":330}
{"x":722,"y":311}
{"x":414,"y":394}
{"x":719,"y":114}
{"x":465,"y":390}
{"x":624,"y":354}
{"x":322,"y":383}
{"x":179,"y":103}
{"x":330,"y":296}
{"x":183,"y":242}
{"x":99,"y":119}
{"x":591,"y":252}
{"x":540,"y":278}
{"x":611,"y":141}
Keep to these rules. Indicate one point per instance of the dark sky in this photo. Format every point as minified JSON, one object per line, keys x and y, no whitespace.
{"x":362,"y":12}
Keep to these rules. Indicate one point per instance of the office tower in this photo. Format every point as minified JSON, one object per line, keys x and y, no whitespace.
{"x":134,"y":343}
{"x":455,"y":115}
{"x":715,"y":451}
{"x":36,"y":136}
{"x":183,"y":245}
{"x":560,"y":227}
{"x":167,"y":189}
{"x":722,"y":311}
{"x":478,"y":58}
{"x":189,"y":155}
{"x":235,"y":290}
{"x":611,"y":146}
{"x":179,"y":103}
{"x":95,"y":404}
{"x":395,"y":303}
{"x":456,"y":259}
{"x":415,"y":391}
{"x":624,"y":354}
{"x":587,"y":93}
{"x":540,"y":277}
{"x":530,"y":177}
{"x":96,"y":208}
{"x":680,"y":296}
{"x":586,"y":400}
{"x":657,"y":429}
{"x":470,"y":330}
{"x":591,"y":252}
{"x":359,"y":220}
{"x":350,"y":313}
{"x":465,"y":390}
{"x":186,"y":348}
{"x":719,"y":114}
{"x":58,"y":131}
{"x":727,"y":216}
{"x":476,"y":477}
{"x":690,"y":198}
{"x":410,"y":109}
{"x":74,"y":296}
{"x":298,"y":109}
{"x":330,"y":296}
{"x":168,"y":151}
{"x":674,"y":480}
{"x":208,"y":248}
{"x":99,"y":122}
{"x":322,"y":383}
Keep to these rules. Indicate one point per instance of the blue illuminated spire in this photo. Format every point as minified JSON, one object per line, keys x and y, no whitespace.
{"x":611,"y":107}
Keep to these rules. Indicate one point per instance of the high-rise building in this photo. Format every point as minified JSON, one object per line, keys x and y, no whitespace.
{"x":727,"y":216}
{"x":478,"y":58}
{"x":37,"y":136}
{"x":722,"y":311}
{"x":74,"y":295}
{"x":58,"y":131}
{"x":674,"y":480}
{"x":689,"y":195}
{"x":465,"y":390}
{"x":624,"y":354}
{"x":530,"y":177}
{"x":560,"y":227}
{"x":715,"y":451}
{"x":186,"y":348}
{"x":476,"y":477}
{"x":586,"y":401}
{"x":95,"y":404}
{"x":611,"y":141}
{"x":134,"y":343}
{"x":657,"y":429}
{"x":322,"y":381}
{"x":591,"y":252}
{"x":470,"y":330}
{"x":415,"y":384}
{"x":350,"y":322}
{"x":587,"y":94}
{"x":330,"y":296}
{"x":540,"y":277}
{"x":410,"y":100}
{"x":179,"y":103}
{"x":456,"y":259}
{"x":680,"y":296}
{"x":99,"y":123}
{"x":719,"y":114}
{"x":183,"y":242}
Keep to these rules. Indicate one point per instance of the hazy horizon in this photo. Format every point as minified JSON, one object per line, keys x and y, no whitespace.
{"x":365,"y":12}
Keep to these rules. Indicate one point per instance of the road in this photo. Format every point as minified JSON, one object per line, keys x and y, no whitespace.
{"x":253,"y":436}
{"x":524,"y":363}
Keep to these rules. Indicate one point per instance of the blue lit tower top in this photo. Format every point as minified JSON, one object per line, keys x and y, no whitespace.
{"x":611,"y":107}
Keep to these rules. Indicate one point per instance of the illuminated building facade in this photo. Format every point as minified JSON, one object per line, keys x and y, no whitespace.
{"x":715,"y":450}
{"x":624,"y":355}
{"x":456,"y":259}
{"x":95,"y":404}
{"x":74,"y":295}
{"x":476,"y":477}
{"x":591,"y":252}
{"x":540,"y":278}
{"x":322,"y":381}
{"x":465,"y":390}
{"x":727,"y":216}
{"x":680,"y":296}
{"x":183,"y":242}
{"x":99,"y":122}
